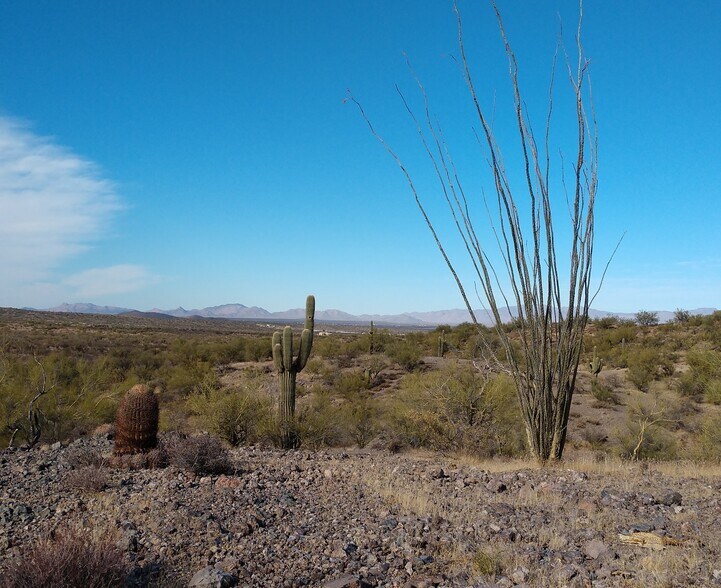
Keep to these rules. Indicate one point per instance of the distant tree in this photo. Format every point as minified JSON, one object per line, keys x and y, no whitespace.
{"x":681,"y":316}
{"x":646,"y":318}
{"x":542,"y":357}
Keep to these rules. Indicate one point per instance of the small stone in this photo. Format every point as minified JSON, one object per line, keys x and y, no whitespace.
{"x":641,"y":528}
{"x":520,"y":575}
{"x":595,"y":549}
{"x":496,"y":486}
{"x":346,"y":581}
{"x":669,"y":498}
{"x":212,"y":578}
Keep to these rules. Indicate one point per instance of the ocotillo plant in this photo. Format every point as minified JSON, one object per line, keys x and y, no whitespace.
{"x":596,"y":364}
{"x":136,"y":423}
{"x":287,"y":368}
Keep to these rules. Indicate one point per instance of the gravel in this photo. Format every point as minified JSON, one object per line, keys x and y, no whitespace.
{"x":364,"y":518}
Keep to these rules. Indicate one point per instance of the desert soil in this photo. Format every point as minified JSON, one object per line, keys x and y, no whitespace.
{"x":371,"y":518}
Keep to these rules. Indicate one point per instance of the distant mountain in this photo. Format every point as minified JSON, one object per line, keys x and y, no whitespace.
{"x":229,"y":311}
{"x":88,"y":308}
{"x":453,"y":316}
{"x":149,"y":314}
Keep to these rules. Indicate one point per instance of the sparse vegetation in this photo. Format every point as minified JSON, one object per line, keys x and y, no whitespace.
{"x":71,"y":558}
{"x":206,"y":380}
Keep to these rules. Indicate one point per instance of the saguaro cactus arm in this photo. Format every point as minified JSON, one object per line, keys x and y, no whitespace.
{"x":277,"y":352}
{"x":306,"y":337}
{"x":283,"y":343}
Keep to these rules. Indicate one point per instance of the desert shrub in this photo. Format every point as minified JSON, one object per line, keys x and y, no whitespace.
{"x":315,"y":365}
{"x":646,"y":365}
{"x":645,"y":434}
{"x":595,"y":438}
{"x":689,"y":386}
{"x":360,"y":420}
{"x":200,"y":454}
{"x":233,"y":414}
{"x":258,"y":349}
{"x":681,"y":316}
{"x":603,"y":393}
{"x":657,"y":443}
{"x":350,"y":383}
{"x":646,"y":318}
{"x":320,"y":422}
{"x":405,"y":353}
{"x":486,"y":563}
{"x":708,"y":438}
{"x":68,"y":559}
{"x":712,"y":393}
{"x":704,"y":374}
{"x":456,"y":409}
{"x":606,"y":322}
{"x":87,"y":479}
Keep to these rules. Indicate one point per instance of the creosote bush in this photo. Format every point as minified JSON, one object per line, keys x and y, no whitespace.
{"x":236,"y":415}
{"x":456,"y":409}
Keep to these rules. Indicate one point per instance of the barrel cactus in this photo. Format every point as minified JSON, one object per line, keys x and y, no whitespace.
{"x":136,"y":422}
{"x":288,"y":367}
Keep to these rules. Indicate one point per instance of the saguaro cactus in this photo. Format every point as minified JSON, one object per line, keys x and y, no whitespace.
{"x":288,"y":367}
{"x":136,"y":423}
{"x":441,"y":344}
{"x":596,"y":364}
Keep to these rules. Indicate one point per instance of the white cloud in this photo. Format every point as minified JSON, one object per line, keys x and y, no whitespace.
{"x":54,"y":205}
{"x":117,"y":279}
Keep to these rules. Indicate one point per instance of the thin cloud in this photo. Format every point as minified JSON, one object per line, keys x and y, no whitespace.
{"x":117,"y":279}
{"x":53,"y":203}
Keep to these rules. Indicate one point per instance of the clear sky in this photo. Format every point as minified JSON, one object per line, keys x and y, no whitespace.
{"x":176,"y":152}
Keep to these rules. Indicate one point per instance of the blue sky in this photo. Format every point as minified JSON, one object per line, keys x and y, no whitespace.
{"x":166,"y":153}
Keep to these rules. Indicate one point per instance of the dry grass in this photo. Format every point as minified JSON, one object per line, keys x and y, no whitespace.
{"x":69,"y":559}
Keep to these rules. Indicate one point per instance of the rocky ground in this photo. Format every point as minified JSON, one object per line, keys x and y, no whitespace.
{"x":363,"y":518}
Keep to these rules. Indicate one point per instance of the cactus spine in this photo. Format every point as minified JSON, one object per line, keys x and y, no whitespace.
{"x":596,"y":364}
{"x":136,"y":423}
{"x":288,"y":368}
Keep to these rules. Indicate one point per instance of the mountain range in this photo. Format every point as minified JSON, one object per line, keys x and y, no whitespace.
{"x":239,"y":311}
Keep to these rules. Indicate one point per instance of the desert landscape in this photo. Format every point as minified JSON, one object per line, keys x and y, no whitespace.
{"x":410,"y":467}
{"x":558,"y":426}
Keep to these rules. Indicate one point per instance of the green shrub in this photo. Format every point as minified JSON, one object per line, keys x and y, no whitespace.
{"x":361,"y":417}
{"x":350,"y":383}
{"x":708,"y":438}
{"x":233,"y":414}
{"x":712,"y":393}
{"x":456,"y":409}
{"x":405,"y":353}
{"x":603,"y":393}
{"x":646,"y":365}
{"x":646,"y":434}
{"x":320,"y":423}
{"x":704,"y":374}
